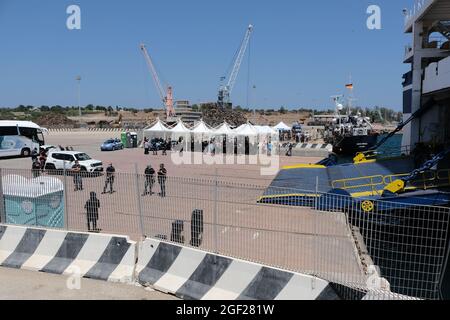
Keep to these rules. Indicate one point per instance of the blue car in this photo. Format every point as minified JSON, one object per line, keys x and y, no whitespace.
{"x":112,"y":145}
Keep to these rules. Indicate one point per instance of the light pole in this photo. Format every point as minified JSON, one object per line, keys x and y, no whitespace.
{"x":254,"y":102}
{"x":78,"y":78}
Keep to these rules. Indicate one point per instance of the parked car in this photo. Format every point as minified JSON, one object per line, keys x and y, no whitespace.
{"x":111,"y":145}
{"x":296,"y":129}
{"x":60,"y":160}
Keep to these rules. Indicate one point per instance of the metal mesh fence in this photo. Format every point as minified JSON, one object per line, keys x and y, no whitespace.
{"x":335,"y":237}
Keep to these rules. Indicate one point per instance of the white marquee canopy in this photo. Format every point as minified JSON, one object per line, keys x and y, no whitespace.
{"x":282,"y":127}
{"x":265,"y":130}
{"x":158,"y":126}
{"x":224,"y":129}
{"x":158,"y":130}
{"x":246,"y":129}
{"x":202,"y":130}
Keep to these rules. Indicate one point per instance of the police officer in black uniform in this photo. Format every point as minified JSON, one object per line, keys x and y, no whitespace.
{"x":149,"y":180}
{"x":36,"y":168}
{"x":289,"y":151}
{"x":92,"y":206}
{"x":34,"y":154}
{"x":77,"y":179}
{"x":110,"y":175}
{"x":162,"y":177}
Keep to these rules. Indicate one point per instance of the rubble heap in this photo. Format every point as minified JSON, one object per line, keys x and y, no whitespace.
{"x":54,"y":120}
{"x":215,"y":116}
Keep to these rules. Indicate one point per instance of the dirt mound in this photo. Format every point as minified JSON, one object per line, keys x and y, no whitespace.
{"x":54,"y":120}
{"x":215,"y":116}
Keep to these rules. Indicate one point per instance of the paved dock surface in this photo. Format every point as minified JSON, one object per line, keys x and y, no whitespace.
{"x":29,"y":285}
{"x":299,"y":239}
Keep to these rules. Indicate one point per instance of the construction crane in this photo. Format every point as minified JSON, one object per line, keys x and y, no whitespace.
{"x":166,"y":96}
{"x":225,"y":90}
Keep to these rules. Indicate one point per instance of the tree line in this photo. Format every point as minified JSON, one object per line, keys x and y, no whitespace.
{"x":68,"y":110}
{"x":376,"y":114}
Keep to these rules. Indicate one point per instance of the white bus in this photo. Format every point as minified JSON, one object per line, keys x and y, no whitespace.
{"x":19,"y":138}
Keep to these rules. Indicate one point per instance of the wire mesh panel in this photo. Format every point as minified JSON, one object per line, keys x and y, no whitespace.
{"x":366,"y":245}
{"x":400,"y":241}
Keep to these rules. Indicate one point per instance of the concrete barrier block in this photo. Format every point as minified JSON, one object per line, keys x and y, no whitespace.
{"x":193,"y":274}
{"x":96,"y":256}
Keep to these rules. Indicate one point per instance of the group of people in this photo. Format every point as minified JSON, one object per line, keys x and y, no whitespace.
{"x":150,"y":180}
{"x":302,"y":138}
{"x":38,"y":161}
{"x":155,"y":145}
{"x":93,"y":204}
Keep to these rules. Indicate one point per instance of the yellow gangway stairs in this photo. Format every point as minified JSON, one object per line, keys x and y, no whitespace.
{"x":376,"y":184}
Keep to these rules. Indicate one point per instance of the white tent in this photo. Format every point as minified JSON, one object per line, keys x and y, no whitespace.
{"x":266,"y":130}
{"x":202,"y":131}
{"x":157,"y":130}
{"x":224,"y":129}
{"x":201,"y":128}
{"x":282,"y":127}
{"x":180,"y":130}
{"x":246,"y":130}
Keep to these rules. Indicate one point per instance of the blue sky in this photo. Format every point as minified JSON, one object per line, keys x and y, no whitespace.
{"x":302,"y":52}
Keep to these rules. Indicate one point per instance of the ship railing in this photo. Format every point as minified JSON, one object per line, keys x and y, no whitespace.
{"x":430,"y":179}
{"x":376,"y":184}
{"x":386,"y":153}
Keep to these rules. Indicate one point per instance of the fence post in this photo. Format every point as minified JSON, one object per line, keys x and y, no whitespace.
{"x":66,"y":204}
{"x":215,"y":226}
{"x":2,"y":200}
{"x":316,"y":235}
{"x":138,"y":199}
